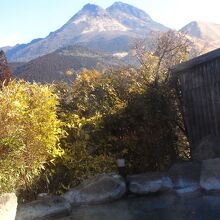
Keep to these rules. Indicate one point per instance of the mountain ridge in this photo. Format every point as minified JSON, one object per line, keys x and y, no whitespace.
{"x":111,"y":30}
{"x":203,"y":33}
{"x":90,"y":26}
{"x":54,"y":66}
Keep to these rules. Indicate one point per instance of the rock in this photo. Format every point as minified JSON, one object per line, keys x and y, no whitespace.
{"x":99,"y":189}
{"x":42,"y":196}
{"x":149,"y":183}
{"x":40,"y":209}
{"x":185,"y":176}
{"x":209,"y":147}
{"x":8,"y":206}
{"x":210,"y":174}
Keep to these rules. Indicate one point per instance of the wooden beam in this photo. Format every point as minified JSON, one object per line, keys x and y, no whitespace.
{"x":196,"y":61}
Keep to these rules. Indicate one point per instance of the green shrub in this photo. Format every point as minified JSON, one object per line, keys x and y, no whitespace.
{"x":144,"y":132}
{"x":28,"y":135}
{"x":82,"y":107}
{"x":113,"y":115}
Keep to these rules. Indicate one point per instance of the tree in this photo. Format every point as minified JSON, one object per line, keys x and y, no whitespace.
{"x":130,"y":113}
{"x":5,"y":72}
{"x":159,"y":55}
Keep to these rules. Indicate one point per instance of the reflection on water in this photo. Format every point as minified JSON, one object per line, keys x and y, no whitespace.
{"x":160,"y":207}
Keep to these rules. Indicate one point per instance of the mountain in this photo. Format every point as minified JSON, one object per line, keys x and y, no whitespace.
{"x":109,"y":30}
{"x":54,"y":66}
{"x":205,"y":33}
{"x":203,"y":30}
{"x":6,"y":48}
{"x":134,"y":18}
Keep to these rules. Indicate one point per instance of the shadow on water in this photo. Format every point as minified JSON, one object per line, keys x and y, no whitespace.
{"x":160,"y":207}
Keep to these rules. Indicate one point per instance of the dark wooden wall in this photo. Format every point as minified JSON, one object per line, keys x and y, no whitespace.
{"x":199,"y":82}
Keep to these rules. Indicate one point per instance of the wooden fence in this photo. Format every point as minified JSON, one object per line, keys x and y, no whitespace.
{"x":199,"y":81}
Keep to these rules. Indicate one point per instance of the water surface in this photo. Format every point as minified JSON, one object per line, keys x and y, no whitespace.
{"x":159,"y":207}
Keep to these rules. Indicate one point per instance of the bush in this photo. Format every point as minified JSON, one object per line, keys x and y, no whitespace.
{"x":82,"y":106}
{"x":113,"y":115}
{"x":28,"y":135}
{"x":144,"y":132}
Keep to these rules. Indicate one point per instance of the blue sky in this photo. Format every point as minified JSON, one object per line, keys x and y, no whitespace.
{"x":24,"y":20}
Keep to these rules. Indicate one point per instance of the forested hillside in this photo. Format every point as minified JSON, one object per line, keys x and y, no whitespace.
{"x":63,"y":64}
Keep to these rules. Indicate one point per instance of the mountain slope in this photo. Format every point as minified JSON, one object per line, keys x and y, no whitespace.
{"x":92,"y":27}
{"x":54,"y":66}
{"x":203,"y":30}
{"x":134,"y":18}
{"x":204,"y":33}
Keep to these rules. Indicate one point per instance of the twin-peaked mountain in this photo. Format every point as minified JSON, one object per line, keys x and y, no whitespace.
{"x":97,"y":38}
{"x":109,"y":30}
{"x":135,"y":19}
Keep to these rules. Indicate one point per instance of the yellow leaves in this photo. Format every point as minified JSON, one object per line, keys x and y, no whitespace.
{"x":17,"y":104}
{"x":57,"y":152}
{"x":69,"y":73}
{"x":101,"y":121}
{"x":29,"y":131}
{"x":125,"y":151}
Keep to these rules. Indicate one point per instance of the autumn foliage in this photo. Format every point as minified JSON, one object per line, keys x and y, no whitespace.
{"x":53,"y":137}
{"x":28,"y":135}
